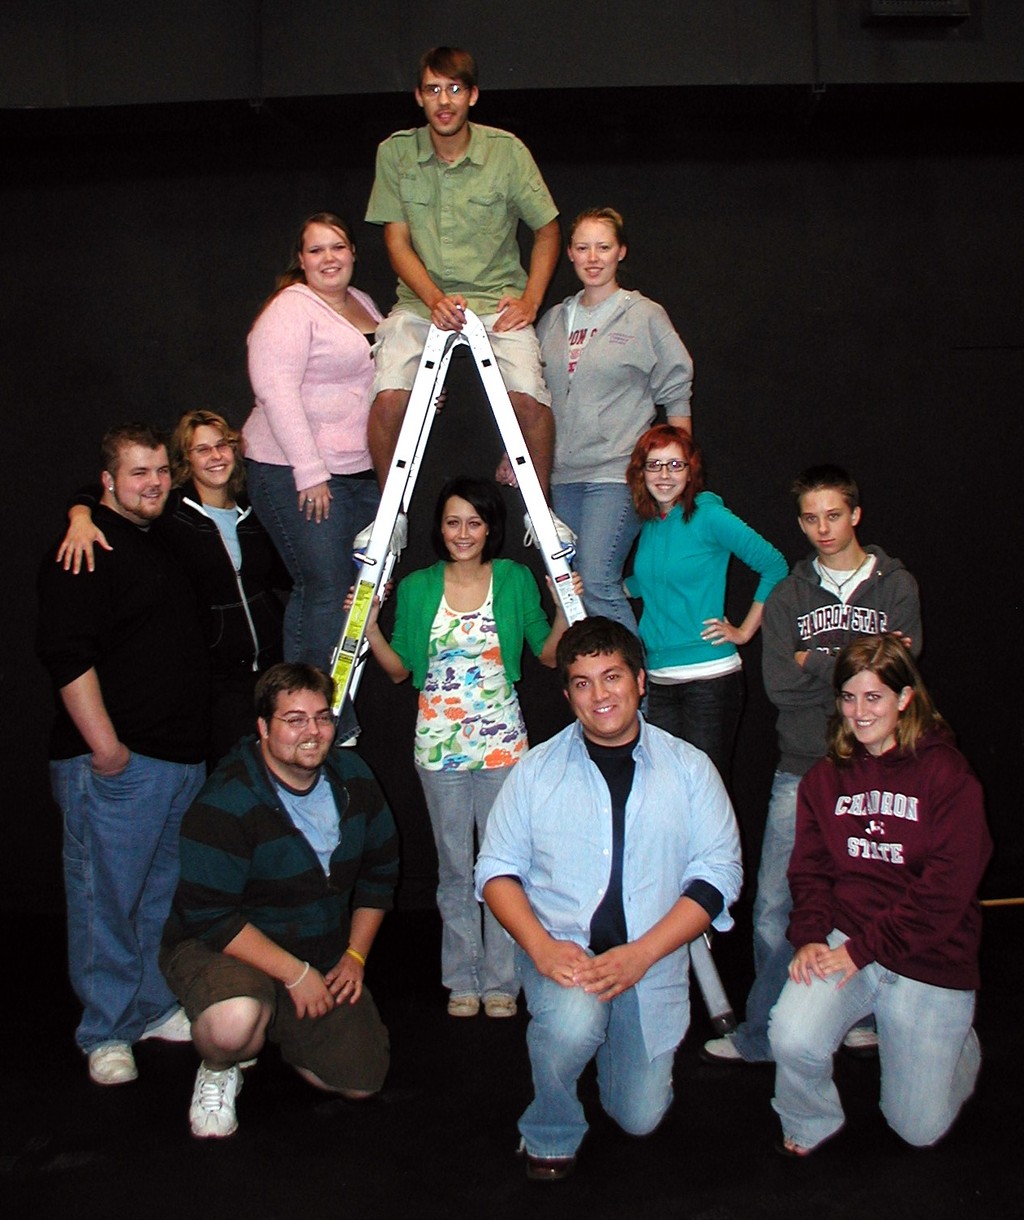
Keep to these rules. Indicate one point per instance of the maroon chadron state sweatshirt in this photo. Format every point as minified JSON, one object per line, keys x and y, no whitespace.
{"x":891,"y":850}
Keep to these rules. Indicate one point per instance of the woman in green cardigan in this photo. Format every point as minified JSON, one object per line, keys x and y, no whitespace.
{"x":459,"y":631}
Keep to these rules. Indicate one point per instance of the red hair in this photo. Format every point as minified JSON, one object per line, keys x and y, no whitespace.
{"x":657,"y":438}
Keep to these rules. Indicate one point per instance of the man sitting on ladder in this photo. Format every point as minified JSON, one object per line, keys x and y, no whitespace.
{"x":450,"y":196}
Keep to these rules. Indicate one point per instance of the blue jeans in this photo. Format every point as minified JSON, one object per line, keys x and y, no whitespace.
{"x":772,"y":952}
{"x":603,"y":518}
{"x":567,"y":1029}
{"x":704,"y":713}
{"x":475,"y":959}
{"x":928,"y":1053}
{"x":120,"y":873}
{"x":318,"y":557}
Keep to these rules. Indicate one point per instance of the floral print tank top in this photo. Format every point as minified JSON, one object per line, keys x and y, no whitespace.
{"x":469,"y":716}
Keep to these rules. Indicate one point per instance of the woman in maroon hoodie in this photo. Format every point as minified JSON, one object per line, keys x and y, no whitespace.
{"x":891,"y":844}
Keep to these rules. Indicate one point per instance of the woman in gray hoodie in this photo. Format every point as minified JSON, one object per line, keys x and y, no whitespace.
{"x":611,"y":358}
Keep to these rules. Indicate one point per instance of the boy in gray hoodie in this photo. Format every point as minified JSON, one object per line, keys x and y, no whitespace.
{"x":840,"y":592}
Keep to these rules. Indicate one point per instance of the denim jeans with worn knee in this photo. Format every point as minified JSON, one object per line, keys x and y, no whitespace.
{"x":567,"y":1029}
{"x":705,"y":713}
{"x":772,"y":952}
{"x":476,"y":959}
{"x":928,"y":1052}
{"x":120,"y":873}
{"x":318,"y":556}
{"x":606,"y":525}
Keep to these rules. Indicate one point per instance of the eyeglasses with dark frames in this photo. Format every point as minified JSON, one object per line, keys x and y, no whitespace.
{"x":656,"y":465}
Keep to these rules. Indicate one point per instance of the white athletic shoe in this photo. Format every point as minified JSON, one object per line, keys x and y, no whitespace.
{"x":399,"y":537}
{"x":721,"y":1050}
{"x":175,"y":1028}
{"x":565,"y":535}
{"x":212,"y":1112}
{"x":113,"y":1064}
{"x":861,"y":1041}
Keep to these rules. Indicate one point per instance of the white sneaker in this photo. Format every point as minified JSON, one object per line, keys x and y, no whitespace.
{"x":212,"y":1112}
{"x":175,"y":1028}
{"x":565,"y":535}
{"x":721,"y":1050}
{"x":113,"y":1064}
{"x":399,"y":537}
{"x":861,"y":1041}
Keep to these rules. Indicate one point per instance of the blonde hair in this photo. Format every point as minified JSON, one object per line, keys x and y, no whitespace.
{"x":607,"y":216}
{"x":181,"y":444}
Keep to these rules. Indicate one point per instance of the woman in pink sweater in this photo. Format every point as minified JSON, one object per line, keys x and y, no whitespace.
{"x":891,"y":844}
{"x":308,"y":466}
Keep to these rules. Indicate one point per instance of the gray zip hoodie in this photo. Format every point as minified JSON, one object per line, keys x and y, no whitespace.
{"x":801,"y":615}
{"x":634,"y":363}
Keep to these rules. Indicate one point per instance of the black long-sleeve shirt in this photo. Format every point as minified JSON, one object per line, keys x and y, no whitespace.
{"x":136,"y":621}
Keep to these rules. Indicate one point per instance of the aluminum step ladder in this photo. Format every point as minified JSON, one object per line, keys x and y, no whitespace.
{"x":377,"y":560}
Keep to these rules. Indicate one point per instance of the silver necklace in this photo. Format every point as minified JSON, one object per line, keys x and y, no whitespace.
{"x":839,"y":585}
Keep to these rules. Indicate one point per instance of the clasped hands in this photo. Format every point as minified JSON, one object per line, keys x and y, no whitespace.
{"x":604,"y":975}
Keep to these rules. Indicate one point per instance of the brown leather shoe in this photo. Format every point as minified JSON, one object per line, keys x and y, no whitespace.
{"x":549,"y":1168}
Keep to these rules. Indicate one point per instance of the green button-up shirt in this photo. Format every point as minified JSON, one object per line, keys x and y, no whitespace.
{"x":463,"y":217}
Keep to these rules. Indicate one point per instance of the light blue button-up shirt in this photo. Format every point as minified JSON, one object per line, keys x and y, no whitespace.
{"x":551,"y":827}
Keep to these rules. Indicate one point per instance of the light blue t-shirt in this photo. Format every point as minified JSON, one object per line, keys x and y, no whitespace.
{"x":226,"y":520}
{"x":315,"y":815}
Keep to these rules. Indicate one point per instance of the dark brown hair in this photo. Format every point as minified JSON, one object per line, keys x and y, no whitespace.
{"x":826,"y":478}
{"x":486,"y":500}
{"x":453,"y":62}
{"x":286,"y":677}
{"x":117,"y":438}
{"x":595,"y":636}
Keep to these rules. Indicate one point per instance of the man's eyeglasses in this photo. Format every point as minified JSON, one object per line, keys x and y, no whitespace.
{"x":454,"y":90}
{"x":204,"y":451}
{"x":296,"y":720}
{"x":656,"y":465}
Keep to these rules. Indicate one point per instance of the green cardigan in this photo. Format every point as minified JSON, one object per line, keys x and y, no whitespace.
{"x":517,"y":613}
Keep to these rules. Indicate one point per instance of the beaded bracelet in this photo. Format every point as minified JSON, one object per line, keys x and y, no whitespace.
{"x":305,"y":971}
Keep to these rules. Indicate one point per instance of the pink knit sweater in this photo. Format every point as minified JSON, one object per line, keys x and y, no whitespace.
{"x":311,"y":374}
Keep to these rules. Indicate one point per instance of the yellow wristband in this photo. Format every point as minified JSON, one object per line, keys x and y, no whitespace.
{"x":357,"y":955}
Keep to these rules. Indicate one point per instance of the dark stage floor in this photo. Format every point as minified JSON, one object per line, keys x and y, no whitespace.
{"x":441,"y":1141}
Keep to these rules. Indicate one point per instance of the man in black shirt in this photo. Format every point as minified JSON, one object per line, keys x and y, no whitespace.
{"x":125,"y":651}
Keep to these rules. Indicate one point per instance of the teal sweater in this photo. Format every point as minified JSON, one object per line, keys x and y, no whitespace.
{"x":517,"y":613}
{"x":680,"y":572}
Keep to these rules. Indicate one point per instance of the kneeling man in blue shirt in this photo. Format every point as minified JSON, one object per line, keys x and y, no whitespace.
{"x":609,"y":848}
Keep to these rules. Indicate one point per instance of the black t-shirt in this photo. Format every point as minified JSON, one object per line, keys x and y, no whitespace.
{"x":617,"y":765}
